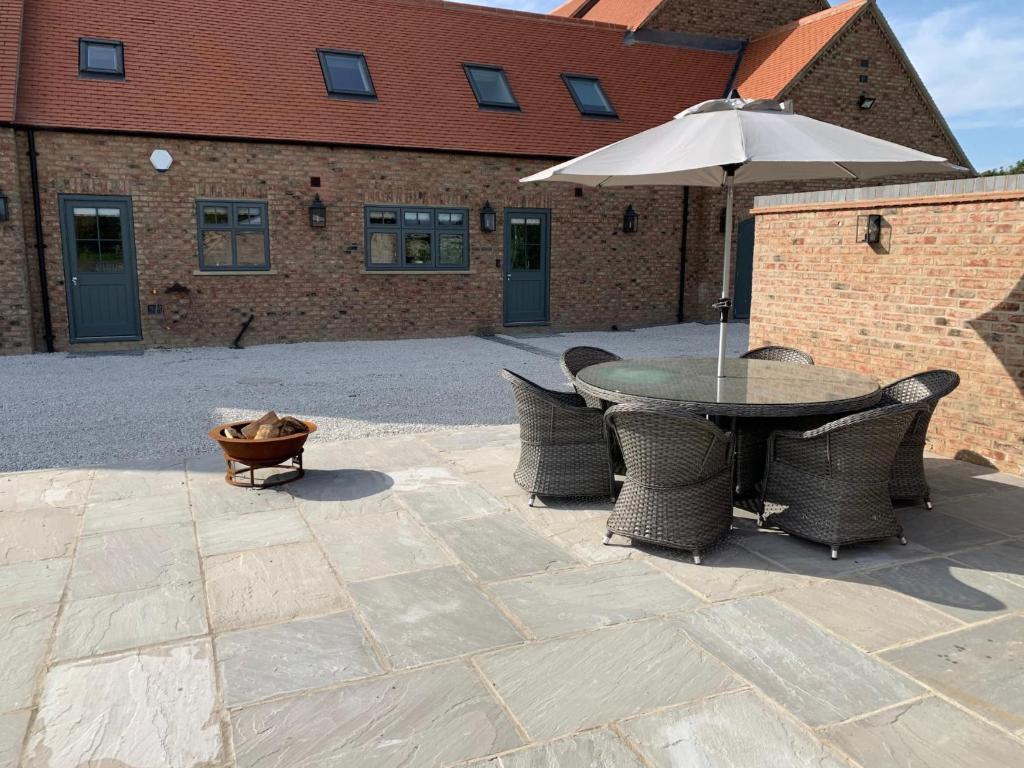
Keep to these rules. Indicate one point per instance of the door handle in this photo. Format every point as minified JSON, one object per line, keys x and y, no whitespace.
{"x":74,"y":281}
{"x":509,"y":276}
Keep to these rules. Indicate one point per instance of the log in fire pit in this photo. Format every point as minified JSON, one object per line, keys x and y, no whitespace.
{"x":269,"y":442}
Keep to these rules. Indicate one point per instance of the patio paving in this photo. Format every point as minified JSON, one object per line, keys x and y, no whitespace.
{"x":402,"y":605}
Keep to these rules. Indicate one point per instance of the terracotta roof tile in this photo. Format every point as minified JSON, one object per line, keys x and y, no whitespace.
{"x":10,"y":39}
{"x":249,"y":69}
{"x":569,"y":8}
{"x":628,"y":13}
{"x":772,"y":60}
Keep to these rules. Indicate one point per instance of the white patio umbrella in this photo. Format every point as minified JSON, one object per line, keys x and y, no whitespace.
{"x":724,"y":142}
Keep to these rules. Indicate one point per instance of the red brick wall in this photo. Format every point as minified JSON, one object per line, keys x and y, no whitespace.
{"x":15,"y":318}
{"x":730,"y":18}
{"x":320,"y":291}
{"x":829,"y":92}
{"x":947,"y":293}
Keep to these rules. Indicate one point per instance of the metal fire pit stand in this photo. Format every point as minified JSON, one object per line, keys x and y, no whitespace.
{"x":243,"y":473}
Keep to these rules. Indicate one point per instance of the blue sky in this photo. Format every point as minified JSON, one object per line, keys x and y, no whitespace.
{"x":970,"y":54}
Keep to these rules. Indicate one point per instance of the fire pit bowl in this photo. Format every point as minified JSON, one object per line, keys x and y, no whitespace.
{"x":261,"y":454}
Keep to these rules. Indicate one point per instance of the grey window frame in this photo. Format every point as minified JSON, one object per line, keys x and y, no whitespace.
{"x":400,"y":229}
{"x":234,"y":228}
{"x":484,"y":103}
{"x":343,"y":93}
{"x":84,"y":70}
{"x":568,"y":77}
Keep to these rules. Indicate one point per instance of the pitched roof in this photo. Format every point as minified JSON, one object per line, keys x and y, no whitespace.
{"x":249,"y":69}
{"x":626,"y":13}
{"x":773,"y":60}
{"x":10,"y":46}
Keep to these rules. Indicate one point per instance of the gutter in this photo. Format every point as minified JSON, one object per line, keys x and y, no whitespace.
{"x":37,"y":214}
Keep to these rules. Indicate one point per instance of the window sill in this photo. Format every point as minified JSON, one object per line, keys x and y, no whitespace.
{"x":365,"y":271}
{"x":233,"y":272}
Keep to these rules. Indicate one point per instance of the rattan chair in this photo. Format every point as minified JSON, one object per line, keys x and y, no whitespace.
{"x":563,"y":443}
{"x":575,"y":359}
{"x":831,"y":484}
{"x":908,"y":481}
{"x":781,"y":354}
{"x":678,"y":475}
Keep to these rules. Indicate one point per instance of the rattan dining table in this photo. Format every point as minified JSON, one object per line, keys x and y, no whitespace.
{"x":754,"y":398}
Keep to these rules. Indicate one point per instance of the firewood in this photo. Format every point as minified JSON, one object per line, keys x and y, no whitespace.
{"x":233,"y":433}
{"x":292,"y":426}
{"x":249,"y":430}
{"x":268,"y":431}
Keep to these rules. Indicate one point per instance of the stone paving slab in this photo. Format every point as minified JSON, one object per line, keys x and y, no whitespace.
{"x":431,"y":615}
{"x":501,"y":547}
{"x":737,"y":730}
{"x":130,"y":619}
{"x":47,"y":489}
{"x":568,"y":601}
{"x":966,"y":593}
{"x":151,"y":708}
{"x":999,"y":509}
{"x":379,"y":544}
{"x":284,"y":658}
{"x":12,"y":732}
{"x":136,"y":512}
{"x":427,"y":717}
{"x":592,"y":749}
{"x":812,"y":673}
{"x":24,"y":639}
{"x":980,"y":667}
{"x":929,"y":733}
{"x":1005,"y":560}
{"x":37,"y":534}
{"x":270,"y":584}
{"x":941,"y":532}
{"x":563,"y":685}
{"x":33,"y":583}
{"x":222,"y":534}
{"x":138,"y":558}
{"x":869,"y":615}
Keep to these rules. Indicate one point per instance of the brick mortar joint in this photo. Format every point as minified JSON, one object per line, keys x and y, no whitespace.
{"x":891,"y":202}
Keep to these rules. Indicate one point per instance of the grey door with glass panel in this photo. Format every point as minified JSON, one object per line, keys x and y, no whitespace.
{"x":527,"y":265}
{"x":99,"y":268}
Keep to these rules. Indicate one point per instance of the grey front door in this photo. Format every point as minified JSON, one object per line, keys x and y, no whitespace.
{"x":527,"y":265}
{"x":744,"y":270}
{"x":99,"y":268}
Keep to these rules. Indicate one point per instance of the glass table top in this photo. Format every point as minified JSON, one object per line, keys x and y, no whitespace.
{"x":746,"y":382}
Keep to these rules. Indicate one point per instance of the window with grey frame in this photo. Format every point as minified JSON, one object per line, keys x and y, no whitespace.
{"x":416,"y":238}
{"x":233,"y":235}
{"x":100,"y":58}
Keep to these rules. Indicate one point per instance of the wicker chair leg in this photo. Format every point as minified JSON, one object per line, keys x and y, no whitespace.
{"x":607,"y":537}
{"x":696,"y":557}
{"x":928,"y":503}
{"x":533,"y":498}
{"x":835,"y":553}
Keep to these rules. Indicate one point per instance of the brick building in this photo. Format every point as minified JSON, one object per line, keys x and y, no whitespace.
{"x":407,"y":121}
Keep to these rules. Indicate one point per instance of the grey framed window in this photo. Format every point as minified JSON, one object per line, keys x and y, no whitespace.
{"x":346,"y":74}
{"x":233,"y":235}
{"x":101,"y":58}
{"x":589,"y":96}
{"x":417,"y":238}
{"x":490,"y":86}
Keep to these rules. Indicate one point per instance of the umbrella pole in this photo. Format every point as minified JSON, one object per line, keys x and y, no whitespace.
{"x":724,"y":304}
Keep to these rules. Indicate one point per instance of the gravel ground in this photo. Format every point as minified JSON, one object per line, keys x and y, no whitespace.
{"x":65,"y":410}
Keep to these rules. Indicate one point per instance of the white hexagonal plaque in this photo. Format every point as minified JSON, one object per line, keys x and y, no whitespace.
{"x":161,"y":159}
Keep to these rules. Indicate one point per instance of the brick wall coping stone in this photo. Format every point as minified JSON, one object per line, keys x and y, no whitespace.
{"x":919,"y":193}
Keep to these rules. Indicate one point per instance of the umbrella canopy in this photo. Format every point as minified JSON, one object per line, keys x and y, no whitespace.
{"x":763,"y":140}
{"x":724,"y":142}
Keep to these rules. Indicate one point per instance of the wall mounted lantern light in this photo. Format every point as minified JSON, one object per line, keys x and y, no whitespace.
{"x":866,"y":102}
{"x":4,"y":213}
{"x":488,"y":218}
{"x":317,"y":213}
{"x":872,"y":229}
{"x":161,"y":160}
{"x":630,"y":220}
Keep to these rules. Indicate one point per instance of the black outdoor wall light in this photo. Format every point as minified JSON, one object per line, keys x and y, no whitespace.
{"x":317,"y":213}
{"x":630,"y":220}
{"x":866,"y":102}
{"x":4,"y":215}
{"x":488,"y":218}
{"x":870,"y":228}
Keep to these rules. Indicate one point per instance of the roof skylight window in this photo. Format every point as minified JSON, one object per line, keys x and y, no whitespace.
{"x":490,"y":86}
{"x":346,"y":74}
{"x":101,"y":58}
{"x":589,"y":96}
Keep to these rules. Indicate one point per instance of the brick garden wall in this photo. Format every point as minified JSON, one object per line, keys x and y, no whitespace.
{"x":947,"y":292}
{"x":319,"y":289}
{"x":829,"y":92}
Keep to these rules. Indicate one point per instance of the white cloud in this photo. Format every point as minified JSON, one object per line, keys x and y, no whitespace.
{"x":972,"y":60}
